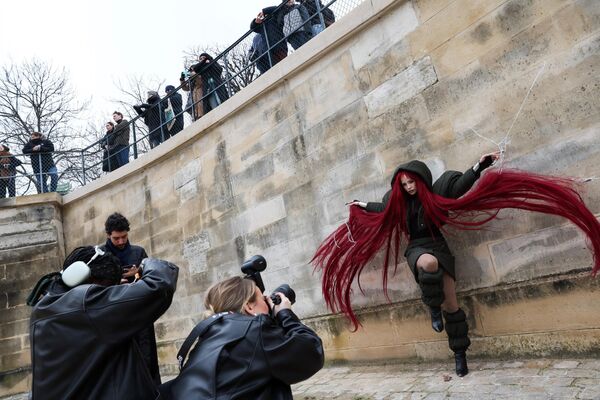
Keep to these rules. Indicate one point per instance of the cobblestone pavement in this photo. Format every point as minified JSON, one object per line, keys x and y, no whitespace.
{"x":541,"y":379}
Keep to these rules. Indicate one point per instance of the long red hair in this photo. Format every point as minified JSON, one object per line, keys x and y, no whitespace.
{"x":343,"y":255}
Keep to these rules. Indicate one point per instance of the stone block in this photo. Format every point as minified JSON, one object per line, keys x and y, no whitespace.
{"x":401,"y":87}
{"x":546,"y":252}
{"x":389,"y":30}
{"x":32,"y":238}
{"x":523,"y":18}
{"x":260,"y":215}
{"x":11,"y":345}
{"x":14,"y":328}
{"x":187,"y":173}
{"x":195,"y":250}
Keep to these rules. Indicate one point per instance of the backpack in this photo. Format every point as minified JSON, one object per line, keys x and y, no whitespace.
{"x":293,"y":22}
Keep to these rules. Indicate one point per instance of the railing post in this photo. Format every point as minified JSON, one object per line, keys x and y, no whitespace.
{"x":135,"y":149}
{"x":321,"y":19}
{"x":83,"y":165}
{"x":229,"y":91}
{"x":160,"y":119}
{"x":41,"y":183}
{"x":268,"y":45}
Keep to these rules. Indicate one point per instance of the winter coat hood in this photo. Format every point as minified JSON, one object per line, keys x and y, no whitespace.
{"x":416,"y":167}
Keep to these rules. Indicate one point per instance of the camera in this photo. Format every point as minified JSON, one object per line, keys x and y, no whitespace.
{"x":252,"y":269}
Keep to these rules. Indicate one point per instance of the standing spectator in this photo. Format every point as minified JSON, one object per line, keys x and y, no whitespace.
{"x":321,"y":17}
{"x":40,"y":151}
{"x":266,"y":24}
{"x":152,"y":112}
{"x":8,"y":171}
{"x":293,"y":18}
{"x":110,"y":162}
{"x":177,"y":104}
{"x":214,"y":91}
{"x":258,"y":53}
{"x":130,"y":257}
{"x":192,"y":83}
{"x":121,"y":138}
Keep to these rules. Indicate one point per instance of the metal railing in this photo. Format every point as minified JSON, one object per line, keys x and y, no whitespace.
{"x":208,"y":83}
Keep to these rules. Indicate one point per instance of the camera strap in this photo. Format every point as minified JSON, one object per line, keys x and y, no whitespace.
{"x":198,"y":331}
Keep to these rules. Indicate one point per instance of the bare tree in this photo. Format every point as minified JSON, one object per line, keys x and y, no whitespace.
{"x":35,"y":96}
{"x":237,"y":67}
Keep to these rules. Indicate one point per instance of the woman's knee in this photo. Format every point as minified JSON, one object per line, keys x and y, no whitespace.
{"x":428,"y":263}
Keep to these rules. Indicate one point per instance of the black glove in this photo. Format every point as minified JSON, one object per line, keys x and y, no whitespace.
{"x":486,"y":163}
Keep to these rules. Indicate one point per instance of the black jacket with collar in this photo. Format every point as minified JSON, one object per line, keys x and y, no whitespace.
{"x":244,"y":357}
{"x":81,"y":339}
{"x":41,"y":160}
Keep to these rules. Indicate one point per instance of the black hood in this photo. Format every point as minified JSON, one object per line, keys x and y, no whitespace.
{"x":416,"y":167}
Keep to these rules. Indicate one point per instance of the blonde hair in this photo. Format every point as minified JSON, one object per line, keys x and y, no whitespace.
{"x":229,"y":295}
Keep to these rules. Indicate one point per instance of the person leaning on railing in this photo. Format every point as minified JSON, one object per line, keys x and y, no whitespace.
{"x":8,"y":171}
{"x":152,"y":111}
{"x":40,"y":151}
{"x":265,"y":24}
{"x":213,"y":91}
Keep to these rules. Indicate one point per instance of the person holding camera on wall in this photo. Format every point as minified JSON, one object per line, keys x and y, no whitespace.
{"x":84,"y":323}
{"x":249,"y":346}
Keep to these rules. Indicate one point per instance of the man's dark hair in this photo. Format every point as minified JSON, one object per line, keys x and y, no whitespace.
{"x":105,"y":269}
{"x":118,"y":113}
{"x":116,"y":222}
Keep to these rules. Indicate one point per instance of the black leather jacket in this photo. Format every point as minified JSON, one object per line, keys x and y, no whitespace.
{"x":244,"y":357}
{"x":81,"y":339}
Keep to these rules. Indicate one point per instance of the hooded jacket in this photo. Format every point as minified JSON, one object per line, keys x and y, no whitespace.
{"x":81,"y":339}
{"x":452,"y":184}
{"x":245,"y":357}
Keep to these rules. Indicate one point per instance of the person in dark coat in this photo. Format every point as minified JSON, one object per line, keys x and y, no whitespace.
{"x":427,"y":252}
{"x":130,"y":257}
{"x":8,"y":172}
{"x":176,"y":125}
{"x":247,"y":354}
{"x":295,"y":23}
{"x":82,"y":328}
{"x":214,"y":90}
{"x":267,"y":25}
{"x":40,"y":151}
{"x":321,"y":17}
{"x":110,"y":162}
{"x":121,"y":134}
{"x":153,"y":113}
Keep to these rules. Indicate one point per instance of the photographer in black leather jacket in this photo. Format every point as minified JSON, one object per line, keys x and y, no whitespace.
{"x":245,"y":353}
{"x":82,"y":335}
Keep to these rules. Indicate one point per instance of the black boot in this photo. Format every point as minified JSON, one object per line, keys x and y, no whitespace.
{"x":461,"y":363}
{"x":458,"y":339}
{"x":437,"y":323}
{"x":432,"y":294}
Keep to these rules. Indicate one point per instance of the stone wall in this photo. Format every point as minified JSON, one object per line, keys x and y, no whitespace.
{"x":269,"y":171}
{"x":31,"y":245}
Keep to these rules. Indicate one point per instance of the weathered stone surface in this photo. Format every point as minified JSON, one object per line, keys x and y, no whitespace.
{"x":329,"y":124}
{"x":402,"y":87}
{"x":194,"y":251}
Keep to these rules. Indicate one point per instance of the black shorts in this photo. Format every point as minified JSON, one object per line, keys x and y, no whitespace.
{"x":437,"y":247}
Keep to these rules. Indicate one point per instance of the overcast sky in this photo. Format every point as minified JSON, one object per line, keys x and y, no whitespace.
{"x":100,"y":41}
